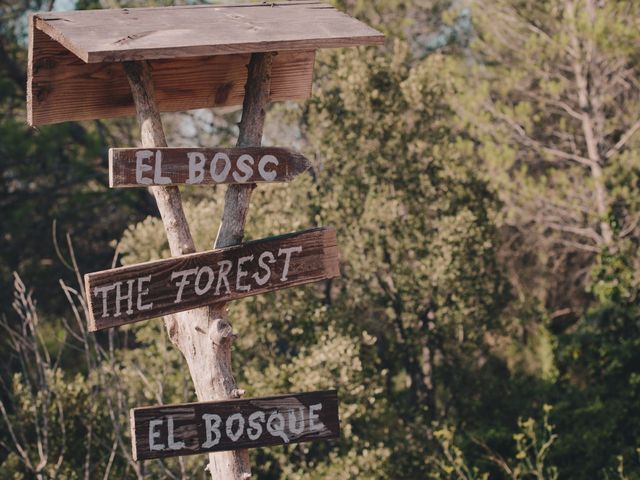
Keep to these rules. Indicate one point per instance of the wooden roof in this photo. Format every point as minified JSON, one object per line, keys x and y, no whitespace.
{"x":190,"y":31}
{"x":198,"y":55}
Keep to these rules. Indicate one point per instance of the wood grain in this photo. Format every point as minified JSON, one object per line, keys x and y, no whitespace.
{"x":203,"y":335}
{"x":254,"y":107}
{"x":257,"y":93}
{"x":129,"y":294}
{"x":61,"y":87}
{"x":182,"y":429}
{"x":193,"y":166}
{"x":116,"y":35}
{"x":167,"y":198}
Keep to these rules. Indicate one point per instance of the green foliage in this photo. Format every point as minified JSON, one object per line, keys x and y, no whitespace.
{"x":598,"y":363}
{"x":489,"y":258}
{"x":547,"y":103}
{"x":533,"y":443}
{"x":52,"y":176}
{"x":416,"y":233}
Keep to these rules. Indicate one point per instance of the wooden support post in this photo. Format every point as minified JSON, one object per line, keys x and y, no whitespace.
{"x":237,"y":197}
{"x":204,"y":335}
{"x":152,"y":135}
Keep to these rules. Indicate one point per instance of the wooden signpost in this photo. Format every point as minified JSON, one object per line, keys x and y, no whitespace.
{"x":106,"y":63}
{"x":190,"y":428}
{"x":141,"y":167}
{"x":153,"y":289}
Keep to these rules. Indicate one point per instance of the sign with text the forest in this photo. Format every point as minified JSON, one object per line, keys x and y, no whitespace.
{"x":190,"y":428}
{"x":152,"y":289}
{"x":141,"y":167}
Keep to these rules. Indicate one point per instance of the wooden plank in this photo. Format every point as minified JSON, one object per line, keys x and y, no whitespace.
{"x":140,"y":167}
{"x":61,"y":87}
{"x":117,"y":35}
{"x":152,"y":289}
{"x":190,"y":428}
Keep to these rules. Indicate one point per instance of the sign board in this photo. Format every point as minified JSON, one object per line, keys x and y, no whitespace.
{"x":140,"y":167}
{"x":198,"y":55}
{"x":152,"y":289}
{"x":192,"y":428}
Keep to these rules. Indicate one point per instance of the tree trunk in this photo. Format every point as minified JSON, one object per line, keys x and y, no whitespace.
{"x":204,"y":335}
{"x":587,"y":108}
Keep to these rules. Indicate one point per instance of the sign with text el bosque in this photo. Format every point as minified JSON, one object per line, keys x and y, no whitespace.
{"x":152,"y":289}
{"x":191,"y":428}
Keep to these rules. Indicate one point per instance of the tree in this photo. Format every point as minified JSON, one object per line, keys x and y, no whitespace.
{"x":55,"y":175}
{"x":482,"y":173}
{"x":404,"y":330}
{"x":551,"y":96}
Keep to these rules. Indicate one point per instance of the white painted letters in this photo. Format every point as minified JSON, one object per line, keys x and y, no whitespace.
{"x":153,"y":289}
{"x":124,"y":291}
{"x":158,"y":178}
{"x":172,"y":430}
{"x":261,"y":280}
{"x":251,"y":271}
{"x":255,"y":429}
{"x":128,"y":297}
{"x":153,"y":434}
{"x":142,"y":292}
{"x":212,"y":429}
{"x":240,"y":274}
{"x":205,"y":289}
{"x":267,"y":176}
{"x":287,"y":425}
{"x":104,"y":291}
{"x":287,"y":260}
{"x":314,"y":425}
{"x":234,"y":436}
{"x":183,"y":282}
{"x":296,"y":425}
{"x":221,"y":168}
{"x":244,"y":165}
{"x":196,"y":167}
{"x":141,"y":167}
{"x":173,"y":445}
{"x":222,"y":176}
{"x":141,"y":156}
{"x":277,"y":428}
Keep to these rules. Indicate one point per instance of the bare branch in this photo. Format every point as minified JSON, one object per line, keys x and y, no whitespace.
{"x":579,"y":246}
{"x":24,"y":456}
{"x":526,"y":140}
{"x":623,"y":140}
{"x":580,"y":231}
{"x":112,"y":456}
{"x":556,"y":103}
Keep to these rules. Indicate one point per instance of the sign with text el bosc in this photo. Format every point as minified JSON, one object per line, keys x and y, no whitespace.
{"x":192,"y":428}
{"x":140,"y":167}
{"x":152,"y":289}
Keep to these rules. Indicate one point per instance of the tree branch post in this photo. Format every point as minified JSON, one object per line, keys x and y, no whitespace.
{"x":237,"y":197}
{"x":204,"y":335}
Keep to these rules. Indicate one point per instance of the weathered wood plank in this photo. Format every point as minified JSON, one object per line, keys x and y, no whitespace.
{"x":152,"y":289}
{"x":61,"y":87}
{"x":116,"y":35}
{"x":190,"y":428}
{"x":140,"y":167}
